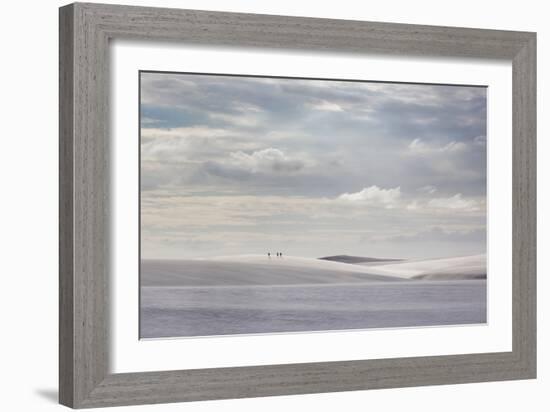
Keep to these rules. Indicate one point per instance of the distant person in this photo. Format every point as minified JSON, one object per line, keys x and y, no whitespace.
{"x":277,"y":254}
{"x":280,"y":254}
{"x":269,"y":255}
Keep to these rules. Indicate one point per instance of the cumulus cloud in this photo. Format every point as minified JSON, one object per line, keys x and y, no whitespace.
{"x":374,"y":195}
{"x":456,"y":202}
{"x":266,"y":160}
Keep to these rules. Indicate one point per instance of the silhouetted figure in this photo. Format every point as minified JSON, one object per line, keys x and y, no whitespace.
{"x":280,"y":254}
{"x":269,"y":255}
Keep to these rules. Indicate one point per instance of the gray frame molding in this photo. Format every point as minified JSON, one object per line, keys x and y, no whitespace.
{"x":85,"y":31}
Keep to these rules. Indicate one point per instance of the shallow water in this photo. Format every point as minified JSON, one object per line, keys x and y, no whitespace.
{"x":227,"y":310}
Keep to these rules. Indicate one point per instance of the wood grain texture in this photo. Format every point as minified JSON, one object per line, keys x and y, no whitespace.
{"x":524,"y":211}
{"x":66,"y":229}
{"x":84,"y":98}
{"x":85,"y":31}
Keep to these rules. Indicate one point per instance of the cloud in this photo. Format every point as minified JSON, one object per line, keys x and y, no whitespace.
{"x":327,"y":106}
{"x":413,"y":205}
{"x":239,"y":120}
{"x":480,"y":140}
{"x":374,"y":195}
{"x":456,"y":202}
{"x":428,"y":189}
{"x":184,"y":132}
{"x":418,"y":146}
{"x":266,"y":160}
{"x":440,"y":234}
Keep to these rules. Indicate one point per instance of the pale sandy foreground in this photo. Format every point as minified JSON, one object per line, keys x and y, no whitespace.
{"x":254,"y":294}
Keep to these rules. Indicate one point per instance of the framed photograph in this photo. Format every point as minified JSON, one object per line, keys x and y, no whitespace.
{"x":256,"y":205}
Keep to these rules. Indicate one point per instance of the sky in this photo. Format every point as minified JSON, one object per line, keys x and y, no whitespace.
{"x":246,"y":165}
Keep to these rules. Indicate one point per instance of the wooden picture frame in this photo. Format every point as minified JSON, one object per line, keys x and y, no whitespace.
{"x":85,"y":31}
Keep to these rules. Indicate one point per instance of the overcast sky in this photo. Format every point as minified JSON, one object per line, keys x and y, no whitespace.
{"x":242,"y":165}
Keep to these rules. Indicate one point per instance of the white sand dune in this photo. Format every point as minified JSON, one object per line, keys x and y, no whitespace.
{"x":360,"y":259}
{"x":455,"y":268}
{"x":465,"y":267}
{"x":292,"y":261}
{"x":291,"y":270}
{"x":254,"y":270}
